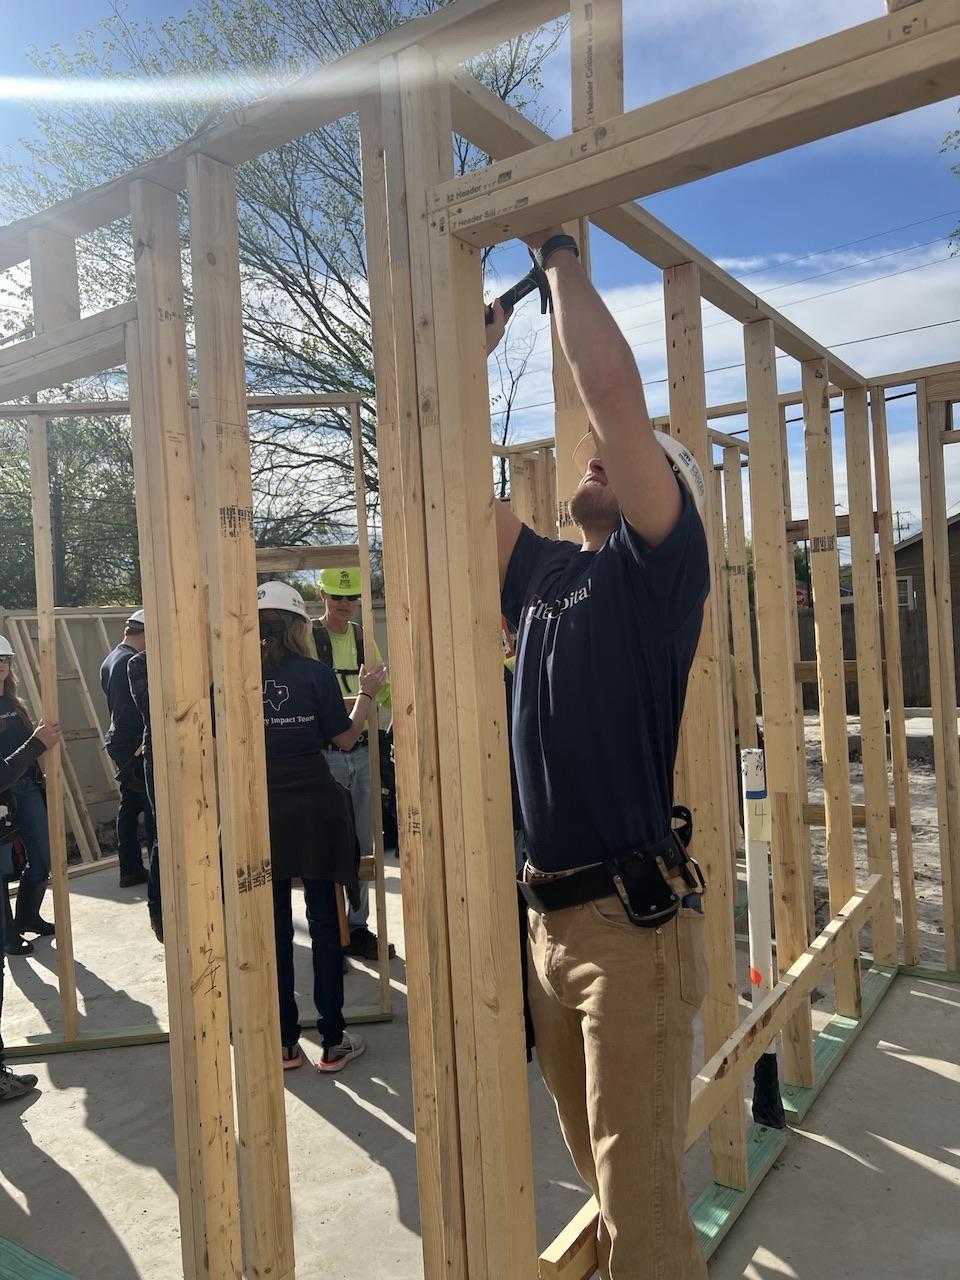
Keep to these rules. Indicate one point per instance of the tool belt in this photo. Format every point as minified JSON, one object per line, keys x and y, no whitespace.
{"x":640,"y":878}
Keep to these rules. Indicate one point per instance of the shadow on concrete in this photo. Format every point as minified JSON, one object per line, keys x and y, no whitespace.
{"x":49,"y":1190}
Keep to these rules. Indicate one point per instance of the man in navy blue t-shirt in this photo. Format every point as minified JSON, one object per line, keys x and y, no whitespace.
{"x":607,"y":632}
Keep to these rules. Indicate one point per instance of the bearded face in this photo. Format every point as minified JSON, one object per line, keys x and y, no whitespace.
{"x":594,"y":506}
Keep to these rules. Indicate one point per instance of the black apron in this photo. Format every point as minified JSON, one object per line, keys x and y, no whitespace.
{"x":312,"y":831}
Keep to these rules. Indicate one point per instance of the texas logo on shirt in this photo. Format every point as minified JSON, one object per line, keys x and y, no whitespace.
{"x":275,"y":695}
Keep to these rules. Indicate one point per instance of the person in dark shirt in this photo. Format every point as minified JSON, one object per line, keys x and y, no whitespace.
{"x":312,"y":832}
{"x":617,"y":967}
{"x":26,"y":797}
{"x":140,"y":693}
{"x":13,"y":766}
{"x":123,"y":741}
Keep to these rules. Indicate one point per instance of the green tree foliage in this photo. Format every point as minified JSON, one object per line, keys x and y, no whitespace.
{"x":306,"y":319}
{"x":92,"y":514}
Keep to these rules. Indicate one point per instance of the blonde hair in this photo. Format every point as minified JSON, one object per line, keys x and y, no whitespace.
{"x":10,"y":692}
{"x":282,"y":635}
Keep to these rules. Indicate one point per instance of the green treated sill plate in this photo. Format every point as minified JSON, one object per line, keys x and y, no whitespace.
{"x":17,"y":1263}
{"x":930,"y":972}
{"x":833,"y":1043}
{"x":715,"y":1212}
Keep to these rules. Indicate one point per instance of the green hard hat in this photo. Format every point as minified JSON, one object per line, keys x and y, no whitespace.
{"x":340,"y":582}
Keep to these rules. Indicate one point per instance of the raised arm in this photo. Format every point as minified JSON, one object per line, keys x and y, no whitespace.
{"x":609,"y":383}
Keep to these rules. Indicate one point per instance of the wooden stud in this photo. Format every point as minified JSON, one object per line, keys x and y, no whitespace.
{"x":825,"y":574}
{"x":290,"y":559}
{"x":453,"y":409}
{"x":894,"y":673}
{"x":84,"y":347}
{"x":172,"y":568}
{"x":815,"y":815}
{"x":731,"y":760}
{"x":223,"y":464}
{"x":70,"y":649}
{"x":704,"y":787}
{"x":725,"y":1070}
{"x":501,"y":131}
{"x":81,"y":823}
{"x":373,"y":719}
{"x":746,"y":680}
{"x":853,"y":78}
{"x":943,"y":686}
{"x":873,"y":738}
{"x":773,"y":586}
{"x":426,"y":937}
{"x":56,"y":305}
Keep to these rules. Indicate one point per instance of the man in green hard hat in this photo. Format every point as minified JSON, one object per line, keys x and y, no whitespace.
{"x":342,"y":645}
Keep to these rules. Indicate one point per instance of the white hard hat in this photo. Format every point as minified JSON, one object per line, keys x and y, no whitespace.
{"x":279,"y":595}
{"x":686,"y":467}
{"x":136,"y":619}
{"x":6,"y":649}
{"x":681,"y":459}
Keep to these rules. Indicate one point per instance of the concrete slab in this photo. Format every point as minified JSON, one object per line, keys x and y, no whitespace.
{"x":868,"y":1185}
{"x":87,"y":1168}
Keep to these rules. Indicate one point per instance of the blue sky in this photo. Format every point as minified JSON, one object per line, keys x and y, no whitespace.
{"x":886,"y":186}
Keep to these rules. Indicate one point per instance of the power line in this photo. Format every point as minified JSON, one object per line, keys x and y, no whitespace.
{"x":819,"y":253}
{"x":723,"y":368}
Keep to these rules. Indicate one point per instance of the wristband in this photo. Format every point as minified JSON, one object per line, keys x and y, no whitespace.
{"x":550,"y":246}
{"x":363,"y":694}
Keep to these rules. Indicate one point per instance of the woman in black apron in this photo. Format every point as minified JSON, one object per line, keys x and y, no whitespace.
{"x":311,"y":821}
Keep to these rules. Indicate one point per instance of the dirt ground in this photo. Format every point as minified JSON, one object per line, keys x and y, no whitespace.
{"x":926,"y":846}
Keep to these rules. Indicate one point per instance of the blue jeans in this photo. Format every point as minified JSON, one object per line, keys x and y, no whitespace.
{"x":352,"y":770}
{"x":132,"y":803}
{"x":32,"y":821}
{"x":321,"y":899}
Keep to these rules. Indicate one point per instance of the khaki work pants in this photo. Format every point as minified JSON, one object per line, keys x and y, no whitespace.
{"x":613,"y":1008}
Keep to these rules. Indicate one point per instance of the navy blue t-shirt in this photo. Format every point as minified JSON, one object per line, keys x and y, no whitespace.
{"x":605,"y":643}
{"x":126,"y":723}
{"x":302,"y":708}
{"x":13,"y":732}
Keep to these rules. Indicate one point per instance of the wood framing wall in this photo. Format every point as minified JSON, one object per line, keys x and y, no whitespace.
{"x":191,"y":463}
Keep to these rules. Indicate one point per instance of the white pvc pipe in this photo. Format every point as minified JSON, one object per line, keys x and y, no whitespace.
{"x":757,"y":834}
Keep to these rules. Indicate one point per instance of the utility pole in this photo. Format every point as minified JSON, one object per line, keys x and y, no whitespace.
{"x":903,"y":524}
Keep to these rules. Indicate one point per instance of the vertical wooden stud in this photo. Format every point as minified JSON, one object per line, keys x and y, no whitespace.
{"x":745,"y":674}
{"x":873,"y":738}
{"x":932,"y":419}
{"x":453,"y":412}
{"x":894,"y":663}
{"x":777,"y":680}
{"x":172,"y":568}
{"x":825,"y":572}
{"x":373,"y":718}
{"x":222,"y":439}
{"x":704,"y":784}
{"x":728,"y":735}
{"x":429,"y":993}
{"x":56,"y":302}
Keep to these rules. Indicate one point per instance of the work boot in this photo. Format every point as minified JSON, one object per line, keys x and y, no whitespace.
{"x":134,"y":878}
{"x":14,"y":945}
{"x":12,"y":1086}
{"x":29,"y":897}
{"x":156,"y":924}
{"x":363,"y":943}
